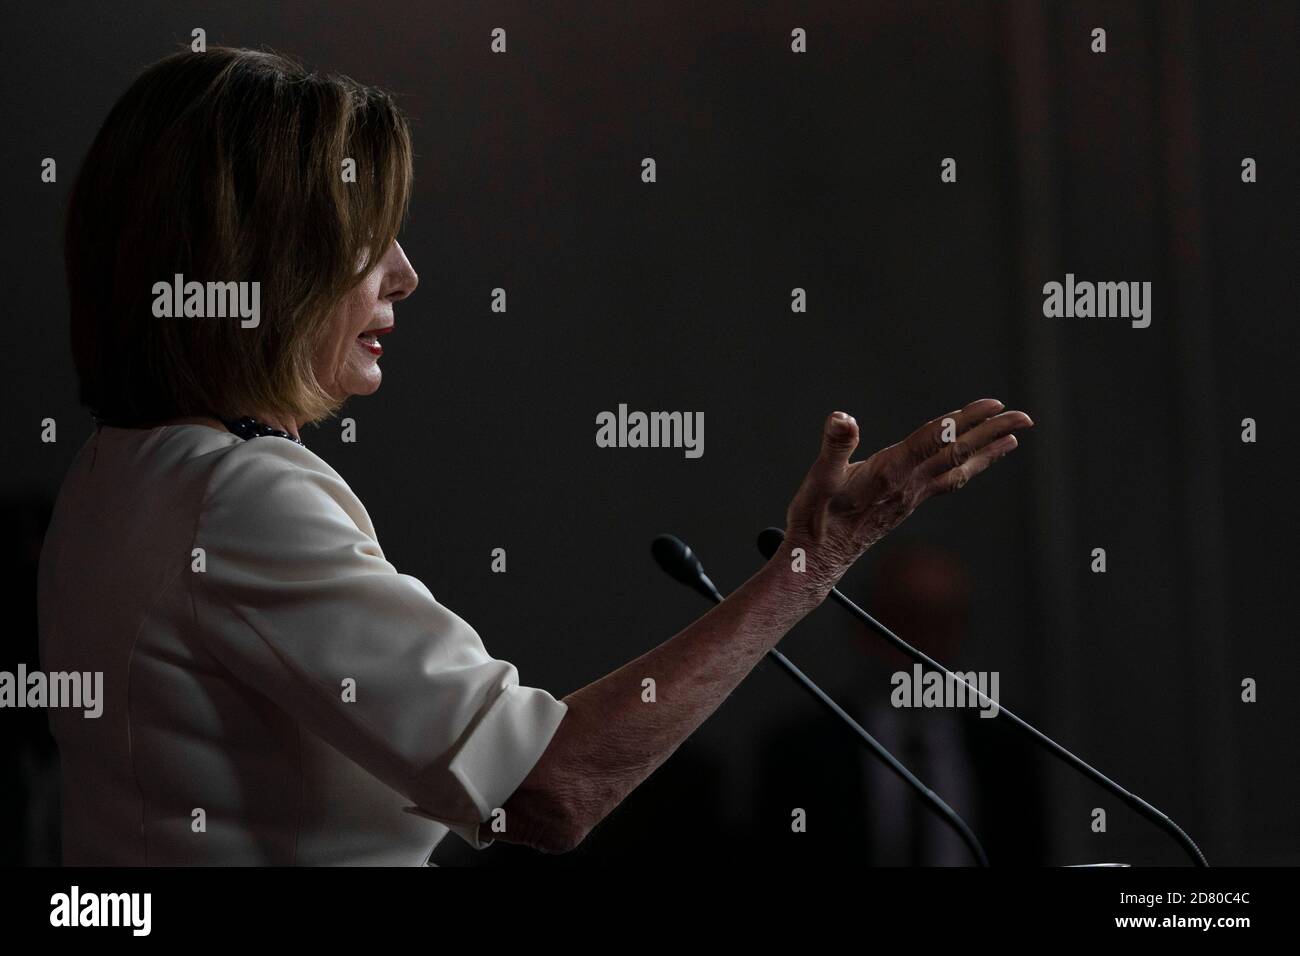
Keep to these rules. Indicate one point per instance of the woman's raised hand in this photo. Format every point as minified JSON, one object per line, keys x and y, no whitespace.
{"x":842,"y":508}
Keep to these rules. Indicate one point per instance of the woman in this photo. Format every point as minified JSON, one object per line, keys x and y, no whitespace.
{"x":276,"y":692}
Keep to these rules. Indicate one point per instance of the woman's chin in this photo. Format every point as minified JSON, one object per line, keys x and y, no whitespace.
{"x":362,"y":383}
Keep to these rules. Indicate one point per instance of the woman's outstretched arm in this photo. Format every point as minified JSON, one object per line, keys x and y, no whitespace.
{"x":611,"y":739}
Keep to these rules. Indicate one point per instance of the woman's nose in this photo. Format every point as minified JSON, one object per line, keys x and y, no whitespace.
{"x":401,"y":279}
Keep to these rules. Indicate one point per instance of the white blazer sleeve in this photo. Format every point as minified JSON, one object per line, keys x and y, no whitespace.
{"x":298,"y":601}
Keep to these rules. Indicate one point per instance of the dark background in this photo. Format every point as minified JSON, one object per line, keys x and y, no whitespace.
{"x":820,"y":171}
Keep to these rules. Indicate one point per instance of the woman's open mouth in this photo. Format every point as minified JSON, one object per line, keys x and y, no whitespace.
{"x":369,"y":340}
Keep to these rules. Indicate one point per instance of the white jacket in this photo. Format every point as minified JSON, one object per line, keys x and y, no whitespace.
{"x":228,"y":735}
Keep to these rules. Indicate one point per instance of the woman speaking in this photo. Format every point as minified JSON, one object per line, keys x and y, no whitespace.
{"x":275,"y":690}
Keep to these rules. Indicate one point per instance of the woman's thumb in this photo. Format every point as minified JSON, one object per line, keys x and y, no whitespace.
{"x":839,"y":439}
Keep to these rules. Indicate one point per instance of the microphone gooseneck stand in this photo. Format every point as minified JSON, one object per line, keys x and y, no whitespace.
{"x":681,"y":564}
{"x":768,"y":543}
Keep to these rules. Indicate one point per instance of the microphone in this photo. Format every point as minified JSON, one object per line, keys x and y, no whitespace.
{"x":681,"y":564}
{"x":770,"y":540}
{"x":676,"y":558}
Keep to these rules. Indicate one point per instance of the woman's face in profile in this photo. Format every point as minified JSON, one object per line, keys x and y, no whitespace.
{"x":348,"y":361}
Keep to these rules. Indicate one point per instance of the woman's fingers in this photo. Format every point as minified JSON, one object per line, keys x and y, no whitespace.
{"x":968,"y":444}
{"x":955,"y":478}
{"x":841,"y":509}
{"x":929,"y":439}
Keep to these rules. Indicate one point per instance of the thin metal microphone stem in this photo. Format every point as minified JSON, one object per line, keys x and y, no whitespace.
{"x":1132,"y":799}
{"x":768,"y":542}
{"x":932,"y":799}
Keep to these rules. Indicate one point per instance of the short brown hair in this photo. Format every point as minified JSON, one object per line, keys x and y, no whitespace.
{"x":227,"y":166}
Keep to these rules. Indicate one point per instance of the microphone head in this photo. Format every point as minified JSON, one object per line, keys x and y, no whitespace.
{"x":673,"y":555}
{"x":680,"y":563}
{"x":769,"y":541}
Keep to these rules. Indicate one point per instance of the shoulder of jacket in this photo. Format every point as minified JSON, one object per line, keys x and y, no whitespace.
{"x":275,"y":470}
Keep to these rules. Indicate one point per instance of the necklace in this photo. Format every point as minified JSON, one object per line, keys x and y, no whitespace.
{"x":247,"y":428}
